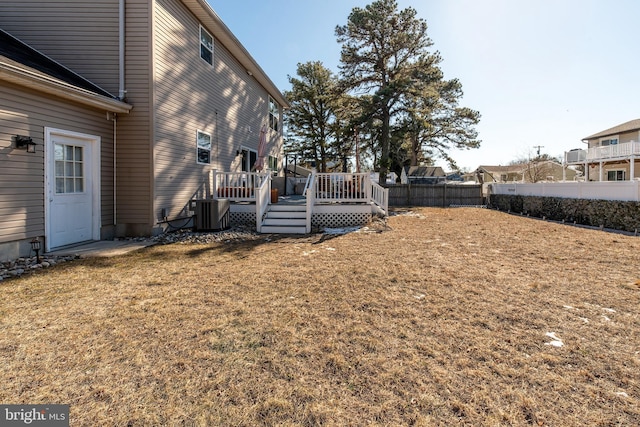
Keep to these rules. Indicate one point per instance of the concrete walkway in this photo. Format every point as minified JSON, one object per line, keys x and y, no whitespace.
{"x":102,"y":248}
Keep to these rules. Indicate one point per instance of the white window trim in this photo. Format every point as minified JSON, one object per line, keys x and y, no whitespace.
{"x":212,"y":50}
{"x":624,"y":174}
{"x":277,"y":116}
{"x":269,"y":160}
{"x":198,"y":132}
{"x":607,"y":138}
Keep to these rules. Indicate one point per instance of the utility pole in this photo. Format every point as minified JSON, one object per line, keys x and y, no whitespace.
{"x":538,"y":147}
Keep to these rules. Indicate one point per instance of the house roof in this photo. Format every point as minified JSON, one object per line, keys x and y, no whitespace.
{"x":20,"y":52}
{"x":423,"y":171}
{"x":23,"y":65}
{"x":203,"y":11}
{"x":624,"y":127}
{"x":503,"y":169}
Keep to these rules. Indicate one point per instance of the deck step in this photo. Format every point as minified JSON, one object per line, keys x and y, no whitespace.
{"x":285,"y":219}
{"x":287,"y":208}
{"x":281,"y":229}
{"x":286,"y":214}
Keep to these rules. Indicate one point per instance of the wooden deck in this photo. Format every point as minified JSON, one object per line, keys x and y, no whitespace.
{"x":329,"y":200}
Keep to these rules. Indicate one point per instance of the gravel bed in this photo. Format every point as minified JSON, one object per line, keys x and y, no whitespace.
{"x":20,"y":266}
{"x":236,"y":233}
{"x":26,"y":265}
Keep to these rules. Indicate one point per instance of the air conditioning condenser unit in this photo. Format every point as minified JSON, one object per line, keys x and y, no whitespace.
{"x":212,"y":214}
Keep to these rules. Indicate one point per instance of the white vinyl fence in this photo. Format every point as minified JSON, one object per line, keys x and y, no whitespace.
{"x":602,"y":190}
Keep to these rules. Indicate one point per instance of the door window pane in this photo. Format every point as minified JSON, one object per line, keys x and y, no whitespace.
{"x":69,"y":169}
{"x":58,"y":152}
{"x":68,"y":185}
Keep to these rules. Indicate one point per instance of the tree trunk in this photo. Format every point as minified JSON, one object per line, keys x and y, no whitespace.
{"x":415,"y":148}
{"x":384,"y":146}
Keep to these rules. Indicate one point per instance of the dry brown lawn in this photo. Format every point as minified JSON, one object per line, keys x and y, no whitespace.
{"x":445,"y":318}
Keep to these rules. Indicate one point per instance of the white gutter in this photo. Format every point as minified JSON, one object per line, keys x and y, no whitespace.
{"x":39,"y":81}
{"x":121,"y":34}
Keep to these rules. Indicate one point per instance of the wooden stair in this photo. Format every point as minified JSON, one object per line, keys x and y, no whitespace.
{"x":285,"y":219}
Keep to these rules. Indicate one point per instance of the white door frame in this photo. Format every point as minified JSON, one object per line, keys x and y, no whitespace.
{"x":94,"y":169}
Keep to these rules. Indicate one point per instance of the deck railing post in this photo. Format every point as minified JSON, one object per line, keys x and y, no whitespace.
{"x":310,"y":193}
{"x":368,"y":187}
{"x":213,"y":183}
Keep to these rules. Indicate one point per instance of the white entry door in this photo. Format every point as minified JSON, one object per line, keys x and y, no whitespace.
{"x":72,"y":191}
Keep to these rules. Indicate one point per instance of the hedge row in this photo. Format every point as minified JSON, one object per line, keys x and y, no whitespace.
{"x":616,"y":215}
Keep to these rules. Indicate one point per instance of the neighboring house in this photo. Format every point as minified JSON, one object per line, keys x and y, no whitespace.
{"x":611,"y":155}
{"x":547,"y":170}
{"x":161,"y":94}
{"x":422,"y":175}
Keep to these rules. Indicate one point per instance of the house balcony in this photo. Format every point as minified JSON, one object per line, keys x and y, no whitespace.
{"x":605,"y":153}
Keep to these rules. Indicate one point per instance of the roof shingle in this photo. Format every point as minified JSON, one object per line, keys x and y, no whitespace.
{"x":624,"y":127}
{"x":22,"y":53}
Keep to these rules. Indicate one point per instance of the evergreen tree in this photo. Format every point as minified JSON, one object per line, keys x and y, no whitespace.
{"x":385,"y":56}
{"x":310,"y":121}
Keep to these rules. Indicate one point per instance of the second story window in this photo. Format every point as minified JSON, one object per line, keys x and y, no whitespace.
{"x":273,"y":163}
{"x":206,"y":46}
{"x":274,"y":114}
{"x":203,"y":146}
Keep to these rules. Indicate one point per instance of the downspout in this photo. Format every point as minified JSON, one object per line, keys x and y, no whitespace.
{"x":121,"y":94}
{"x":115,"y":175}
{"x":121,"y":90}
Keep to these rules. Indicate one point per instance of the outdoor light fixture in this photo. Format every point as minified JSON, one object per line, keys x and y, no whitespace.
{"x":26,"y":142}
{"x":35,"y":246}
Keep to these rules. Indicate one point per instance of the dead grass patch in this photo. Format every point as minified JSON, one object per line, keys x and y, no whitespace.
{"x":441,"y":319}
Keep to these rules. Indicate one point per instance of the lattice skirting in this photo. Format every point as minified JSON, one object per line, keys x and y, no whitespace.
{"x":334,"y":220}
{"x":243,"y":218}
{"x":318,"y":220}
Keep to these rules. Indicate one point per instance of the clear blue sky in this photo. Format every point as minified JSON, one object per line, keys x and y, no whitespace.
{"x":541,"y":72}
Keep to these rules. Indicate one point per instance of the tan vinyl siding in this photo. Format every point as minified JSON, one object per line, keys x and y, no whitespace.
{"x":628,"y":137}
{"x":26,"y":112}
{"x":80,"y":34}
{"x":134,"y":136}
{"x":222,"y":100}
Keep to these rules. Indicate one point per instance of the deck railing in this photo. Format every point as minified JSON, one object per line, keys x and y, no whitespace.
{"x":380,"y":196}
{"x":594,"y":154}
{"x":625,"y":149}
{"x":263,"y":196}
{"x":320,"y":188}
{"x":236,"y":186}
{"x":342,"y":187}
{"x":309,"y":193}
